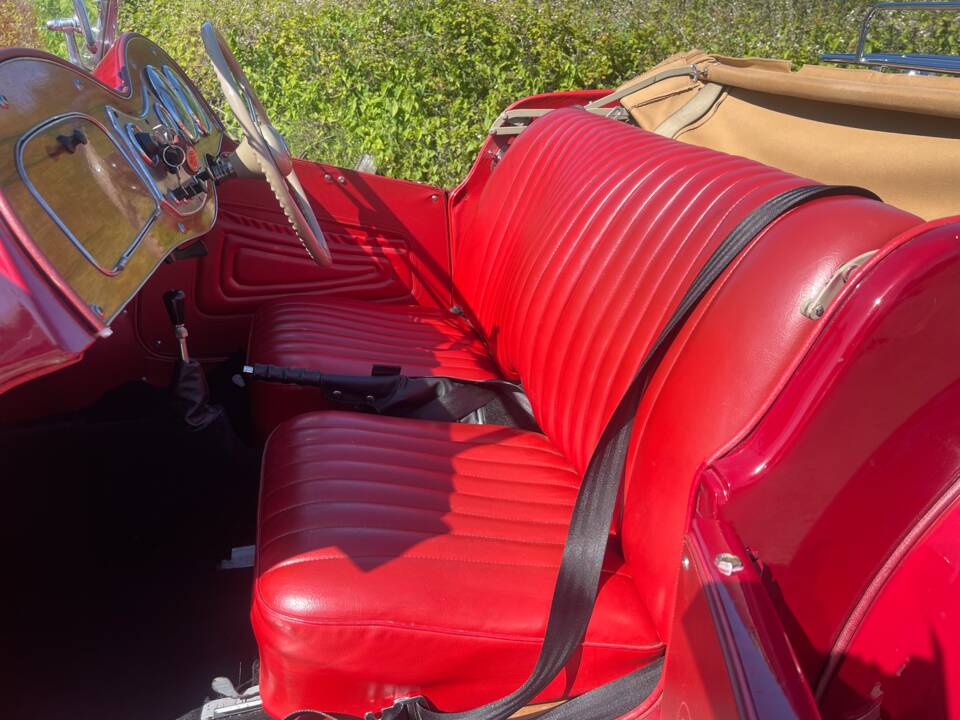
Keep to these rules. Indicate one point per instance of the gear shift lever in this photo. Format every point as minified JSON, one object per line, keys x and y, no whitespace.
{"x":175,"y":301}
{"x":189,"y":387}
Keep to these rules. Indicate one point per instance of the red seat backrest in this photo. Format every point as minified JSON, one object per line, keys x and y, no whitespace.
{"x":583,"y":242}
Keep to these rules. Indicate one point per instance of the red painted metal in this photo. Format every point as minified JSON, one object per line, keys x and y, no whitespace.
{"x":859,"y":445}
{"x":904,"y":654}
{"x":38,"y":333}
{"x":110,"y":71}
{"x":729,"y":655}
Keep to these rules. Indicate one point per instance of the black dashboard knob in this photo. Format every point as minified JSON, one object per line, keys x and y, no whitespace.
{"x":189,"y":189}
{"x":173,"y":156}
{"x":72,"y":141}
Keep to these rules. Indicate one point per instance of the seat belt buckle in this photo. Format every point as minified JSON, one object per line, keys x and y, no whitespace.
{"x":402,"y":709}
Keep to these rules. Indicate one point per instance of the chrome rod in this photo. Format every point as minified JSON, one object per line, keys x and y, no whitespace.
{"x":921,"y":63}
{"x":903,"y":61}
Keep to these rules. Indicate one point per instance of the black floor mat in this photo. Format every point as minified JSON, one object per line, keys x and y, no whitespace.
{"x":115,"y":520}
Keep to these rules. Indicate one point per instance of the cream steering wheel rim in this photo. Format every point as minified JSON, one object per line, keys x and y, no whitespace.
{"x":266,"y":144}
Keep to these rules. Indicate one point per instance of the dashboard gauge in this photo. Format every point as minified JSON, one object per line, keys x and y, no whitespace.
{"x":189,"y":99}
{"x":171,"y":102}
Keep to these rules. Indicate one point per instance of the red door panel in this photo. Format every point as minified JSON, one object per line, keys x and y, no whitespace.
{"x":388,"y":239}
{"x":258,"y":260}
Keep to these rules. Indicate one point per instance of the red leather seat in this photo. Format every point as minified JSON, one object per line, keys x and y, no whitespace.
{"x":445,"y":535}
{"x":349,"y":337}
{"x":374,"y":574}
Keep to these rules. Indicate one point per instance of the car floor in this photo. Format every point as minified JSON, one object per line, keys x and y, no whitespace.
{"x":116,"y":518}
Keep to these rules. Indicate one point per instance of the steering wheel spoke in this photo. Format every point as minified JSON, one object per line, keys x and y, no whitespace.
{"x":264,"y":149}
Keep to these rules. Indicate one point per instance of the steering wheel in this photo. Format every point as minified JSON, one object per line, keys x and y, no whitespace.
{"x":263,"y":151}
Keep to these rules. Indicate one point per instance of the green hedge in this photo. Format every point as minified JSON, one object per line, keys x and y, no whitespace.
{"x":417,"y":82}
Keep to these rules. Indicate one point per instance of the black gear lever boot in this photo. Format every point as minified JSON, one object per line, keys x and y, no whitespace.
{"x":191,"y":395}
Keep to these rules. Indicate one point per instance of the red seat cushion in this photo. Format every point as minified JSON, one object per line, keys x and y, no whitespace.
{"x":349,"y":337}
{"x":399,"y":557}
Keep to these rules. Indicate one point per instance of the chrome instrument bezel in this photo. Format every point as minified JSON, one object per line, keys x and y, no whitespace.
{"x":170,"y":100}
{"x":190,"y":100}
{"x":144,"y":169}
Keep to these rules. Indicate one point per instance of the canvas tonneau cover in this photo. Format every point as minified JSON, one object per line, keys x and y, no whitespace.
{"x":895,"y":134}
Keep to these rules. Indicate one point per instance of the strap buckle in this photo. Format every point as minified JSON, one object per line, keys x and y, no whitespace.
{"x":403,"y":708}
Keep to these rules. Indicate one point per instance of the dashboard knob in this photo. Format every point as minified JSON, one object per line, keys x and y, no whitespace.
{"x":173,"y":156}
{"x":188,"y":190}
{"x":192,"y":161}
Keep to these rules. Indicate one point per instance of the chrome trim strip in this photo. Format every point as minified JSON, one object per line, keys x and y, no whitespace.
{"x":903,"y":61}
{"x":189,"y":99}
{"x":124,"y":257}
{"x":920,"y":63}
{"x":169,"y":100}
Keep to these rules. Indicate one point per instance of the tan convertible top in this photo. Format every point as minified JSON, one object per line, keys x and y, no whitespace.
{"x":896,"y":134}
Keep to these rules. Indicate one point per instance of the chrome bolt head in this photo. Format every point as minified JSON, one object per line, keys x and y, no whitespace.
{"x":728,"y":563}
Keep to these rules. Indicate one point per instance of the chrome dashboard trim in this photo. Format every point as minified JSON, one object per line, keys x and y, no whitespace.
{"x":133,"y":100}
{"x":169,"y":100}
{"x":144,"y":171}
{"x":137,"y":163}
{"x":28,"y":183}
{"x":189,"y":99}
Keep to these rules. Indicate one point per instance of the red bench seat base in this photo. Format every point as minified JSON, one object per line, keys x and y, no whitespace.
{"x":402,"y":557}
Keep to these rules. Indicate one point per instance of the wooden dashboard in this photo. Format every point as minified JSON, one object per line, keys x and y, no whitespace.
{"x":80,"y":181}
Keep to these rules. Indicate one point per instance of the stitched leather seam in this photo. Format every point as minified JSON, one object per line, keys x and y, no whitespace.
{"x":395,"y":329}
{"x":383,"y":468}
{"x":449,"y":491}
{"x":417,"y":432}
{"x":469,"y":561}
{"x":392,"y":504}
{"x":449,"y":513}
{"x":378,"y":528}
{"x":450,"y":452}
{"x":267,"y":607}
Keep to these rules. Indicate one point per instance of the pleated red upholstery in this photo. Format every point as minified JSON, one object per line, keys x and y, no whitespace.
{"x":585,"y":238}
{"x":349,"y":337}
{"x":437,"y":543}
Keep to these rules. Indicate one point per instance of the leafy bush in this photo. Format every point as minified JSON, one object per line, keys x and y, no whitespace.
{"x":18,"y":24}
{"x":417,"y":82}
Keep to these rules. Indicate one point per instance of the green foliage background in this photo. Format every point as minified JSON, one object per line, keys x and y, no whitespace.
{"x":417,"y":82}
